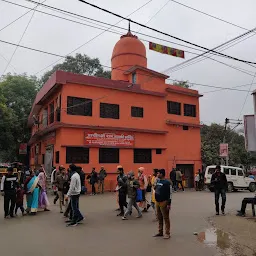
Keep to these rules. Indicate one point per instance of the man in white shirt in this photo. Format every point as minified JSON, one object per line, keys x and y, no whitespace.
{"x":74,"y":193}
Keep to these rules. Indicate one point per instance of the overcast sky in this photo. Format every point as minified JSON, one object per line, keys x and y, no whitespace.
{"x":61,"y":37}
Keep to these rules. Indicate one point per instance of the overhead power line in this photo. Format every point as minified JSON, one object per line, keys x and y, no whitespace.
{"x":230,"y":43}
{"x":114,"y":31}
{"x":9,"y":24}
{"x":209,"y":15}
{"x":164,"y":33}
{"x":150,"y":76}
{"x":23,"y":34}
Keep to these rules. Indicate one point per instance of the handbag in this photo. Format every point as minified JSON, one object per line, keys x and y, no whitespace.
{"x":138,"y":195}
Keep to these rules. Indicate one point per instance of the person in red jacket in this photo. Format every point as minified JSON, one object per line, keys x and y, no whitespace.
{"x":19,"y":200}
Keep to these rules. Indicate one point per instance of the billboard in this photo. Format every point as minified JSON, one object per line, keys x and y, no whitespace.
{"x":166,"y":50}
{"x":23,"y":149}
{"x":250,"y":133}
{"x":223,"y":150}
{"x":110,"y":139}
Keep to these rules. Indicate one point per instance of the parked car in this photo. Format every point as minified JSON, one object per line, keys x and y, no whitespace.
{"x":235,"y":176}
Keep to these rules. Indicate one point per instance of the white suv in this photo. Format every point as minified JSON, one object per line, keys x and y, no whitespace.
{"x":235,"y":177}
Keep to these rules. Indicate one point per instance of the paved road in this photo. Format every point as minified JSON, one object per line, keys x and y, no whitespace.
{"x":105,"y":234}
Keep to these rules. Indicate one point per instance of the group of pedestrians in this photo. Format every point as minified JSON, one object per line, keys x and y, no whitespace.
{"x":176,"y":177}
{"x":161,"y":191}
{"x":13,"y":190}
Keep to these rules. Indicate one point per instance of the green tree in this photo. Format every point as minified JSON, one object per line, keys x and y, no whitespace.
{"x":212,"y":136}
{"x":17,"y":93}
{"x":184,"y":84}
{"x":80,"y":64}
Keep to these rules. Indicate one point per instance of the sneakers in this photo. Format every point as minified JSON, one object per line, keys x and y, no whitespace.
{"x":139,"y":216}
{"x":223,"y":213}
{"x":120,"y":214}
{"x":148,"y":206}
{"x":68,"y":221}
{"x":240,"y":214}
{"x":61,"y":211}
{"x":167,"y":236}
{"x":217,"y":213}
{"x":144,"y":210}
{"x":46,"y":210}
{"x":7,"y":217}
{"x":124,"y":218}
{"x":80,"y":219}
{"x":72,"y":224}
{"x":158,"y":235}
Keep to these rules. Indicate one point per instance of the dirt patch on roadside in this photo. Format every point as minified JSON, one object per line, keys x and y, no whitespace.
{"x":242,"y":231}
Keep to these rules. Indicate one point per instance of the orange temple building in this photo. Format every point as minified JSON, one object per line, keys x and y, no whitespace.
{"x":133,"y":119}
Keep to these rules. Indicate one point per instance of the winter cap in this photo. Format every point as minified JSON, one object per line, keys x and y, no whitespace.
{"x":141,"y":169}
{"x":130,"y":174}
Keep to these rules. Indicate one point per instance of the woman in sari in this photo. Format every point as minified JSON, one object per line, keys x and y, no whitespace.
{"x":43,"y":199}
{"x":32,"y":193}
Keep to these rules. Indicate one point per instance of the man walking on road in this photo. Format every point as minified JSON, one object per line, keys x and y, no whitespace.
{"x":163,"y":192}
{"x":9,"y":184}
{"x":173,"y":179}
{"x":74,"y":193}
{"x":219,"y":181}
{"x":102,"y":176}
{"x":132,"y":186}
{"x":60,"y":181}
{"x":122,"y":189}
{"x":179,"y":179}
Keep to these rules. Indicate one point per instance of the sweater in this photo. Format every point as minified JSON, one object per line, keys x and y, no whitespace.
{"x":163,"y":191}
{"x":75,"y":185}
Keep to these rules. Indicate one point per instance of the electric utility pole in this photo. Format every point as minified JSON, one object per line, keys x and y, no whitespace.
{"x":224,"y":151}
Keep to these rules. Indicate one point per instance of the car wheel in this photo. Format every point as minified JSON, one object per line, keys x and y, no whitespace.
{"x":252,"y":187}
{"x":230,"y":187}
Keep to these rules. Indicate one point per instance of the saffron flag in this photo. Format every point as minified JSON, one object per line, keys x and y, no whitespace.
{"x":166,"y":50}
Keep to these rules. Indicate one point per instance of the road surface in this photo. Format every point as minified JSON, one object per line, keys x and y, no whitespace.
{"x":103,"y":233}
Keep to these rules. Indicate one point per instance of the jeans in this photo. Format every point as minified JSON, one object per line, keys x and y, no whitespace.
{"x":9,"y":197}
{"x":218,"y":193}
{"x":101,"y":186}
{"x":75,"y":209}
{"x":247,"y":200}
{"x":68,"y":212}
{"x":163,"y":217}
{"x":61,"y":197}
{"x":132,"y":203}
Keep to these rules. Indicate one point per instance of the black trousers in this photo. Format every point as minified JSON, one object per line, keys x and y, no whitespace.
{"x":218,"y":193}
{"x":19,"y":207}
{"x":180,"y":182}
{"x":122,"y":201}
{"x":9,"y":203}
{"x":247,"y":200}
{"x":93,"y":188}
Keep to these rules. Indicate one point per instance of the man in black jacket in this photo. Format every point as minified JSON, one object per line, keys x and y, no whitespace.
{"x":173,"y":179}
{"x":219,"y":181}
{"x":122,"y":189}
{"x":9,"y":184}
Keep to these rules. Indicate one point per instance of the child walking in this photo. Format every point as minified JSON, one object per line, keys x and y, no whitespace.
{"x":19,"y":200}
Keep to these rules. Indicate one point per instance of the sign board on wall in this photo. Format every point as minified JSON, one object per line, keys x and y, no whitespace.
{"x":23,"y":149}
{"x":111,"y":139}
{"x":223,"y":150}
{"x":250,"y":133}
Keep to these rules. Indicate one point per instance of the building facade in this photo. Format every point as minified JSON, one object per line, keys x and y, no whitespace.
{"x":133,"y":119}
